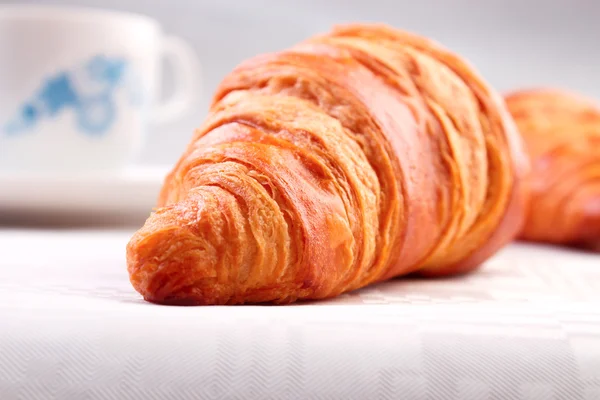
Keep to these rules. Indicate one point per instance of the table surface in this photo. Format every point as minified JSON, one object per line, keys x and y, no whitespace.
{"x":525,"y":326}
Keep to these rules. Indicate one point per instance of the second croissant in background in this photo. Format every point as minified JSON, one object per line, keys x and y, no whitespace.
{"x":562,"y":134}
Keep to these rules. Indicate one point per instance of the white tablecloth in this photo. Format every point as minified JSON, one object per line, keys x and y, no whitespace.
{"x":526,"y":326}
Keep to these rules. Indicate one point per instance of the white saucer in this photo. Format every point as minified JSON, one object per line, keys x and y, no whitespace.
{"x":126,"y":197}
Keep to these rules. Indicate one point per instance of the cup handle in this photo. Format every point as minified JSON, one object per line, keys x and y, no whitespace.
{"x":187,"y":70}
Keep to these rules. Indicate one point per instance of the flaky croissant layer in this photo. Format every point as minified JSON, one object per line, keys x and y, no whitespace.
{"x":562,"y":134}
{"x":353,"y":157}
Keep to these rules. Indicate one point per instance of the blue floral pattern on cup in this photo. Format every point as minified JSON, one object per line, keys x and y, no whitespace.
{"x":89,"y":91}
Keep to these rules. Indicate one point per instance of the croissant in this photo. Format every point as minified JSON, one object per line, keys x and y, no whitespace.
{"x":562,"y":134}
{"x":352,"y":157}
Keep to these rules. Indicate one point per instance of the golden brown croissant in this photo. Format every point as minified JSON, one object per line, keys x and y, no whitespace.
{"x":562,"y":134}
{"x":353,"y":157}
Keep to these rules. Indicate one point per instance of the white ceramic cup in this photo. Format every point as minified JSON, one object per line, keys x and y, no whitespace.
{"x":79,"y":87}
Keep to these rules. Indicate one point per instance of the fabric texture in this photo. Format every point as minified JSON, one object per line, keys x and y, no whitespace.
{"x":524,"y":326}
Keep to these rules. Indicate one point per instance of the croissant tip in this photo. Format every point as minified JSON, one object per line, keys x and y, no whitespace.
{"x":165,"y":266}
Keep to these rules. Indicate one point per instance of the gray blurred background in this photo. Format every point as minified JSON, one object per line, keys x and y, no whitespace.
{"x":513,"y":43}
